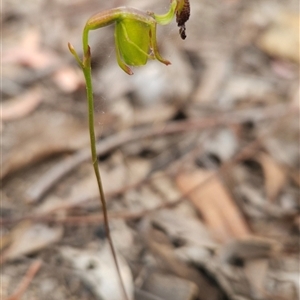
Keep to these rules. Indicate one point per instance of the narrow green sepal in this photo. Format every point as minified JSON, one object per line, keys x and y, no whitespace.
{"x":74,"y":53}
{"x":168,"y":17}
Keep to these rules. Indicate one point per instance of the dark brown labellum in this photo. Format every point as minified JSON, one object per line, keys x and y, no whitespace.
{"x":182,"y":32}
{"x":182,"y":17}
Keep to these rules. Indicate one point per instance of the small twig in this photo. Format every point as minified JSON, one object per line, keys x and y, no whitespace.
{"x":31,"y":272}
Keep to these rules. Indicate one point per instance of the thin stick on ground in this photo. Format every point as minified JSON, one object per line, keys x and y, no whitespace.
{"x":27,"y":279}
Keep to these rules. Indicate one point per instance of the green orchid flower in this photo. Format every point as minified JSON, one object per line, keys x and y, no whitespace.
{"x":135,"y":32}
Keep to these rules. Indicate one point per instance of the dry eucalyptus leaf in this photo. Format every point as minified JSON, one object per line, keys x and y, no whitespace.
{"x":8,"y":238}
{"x":214,"y":203}
{"x":282,"y":38}
{"x":97,"y":269}
{"x":45,"y":135}
{"x":275,"y":176}
{"x":28,"y":238}
{"x":21,"y":105}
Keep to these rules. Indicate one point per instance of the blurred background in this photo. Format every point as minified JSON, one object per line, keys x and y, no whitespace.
{"x":199,"y":159}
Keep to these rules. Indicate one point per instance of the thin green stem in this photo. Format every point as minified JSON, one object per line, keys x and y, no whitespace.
{"x":85,"y":40}
{"x":86,"y":67}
